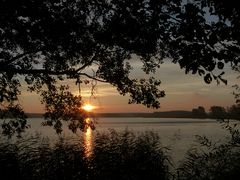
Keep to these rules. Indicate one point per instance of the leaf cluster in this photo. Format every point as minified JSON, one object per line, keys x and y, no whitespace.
{"x":47,"y":42}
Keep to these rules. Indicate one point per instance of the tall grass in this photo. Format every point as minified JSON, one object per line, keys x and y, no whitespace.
{"x":35,"y":158}
{"x":115,"y":155}
{"x":126,"y":155}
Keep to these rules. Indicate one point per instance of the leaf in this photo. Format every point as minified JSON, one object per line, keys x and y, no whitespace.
{"x":220,"y":65}
{"x":208,"y":78}
{"x":201,"y":72}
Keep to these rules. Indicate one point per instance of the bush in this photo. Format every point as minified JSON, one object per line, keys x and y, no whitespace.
{"x":9,"y":165}
{"x":213,"y":160}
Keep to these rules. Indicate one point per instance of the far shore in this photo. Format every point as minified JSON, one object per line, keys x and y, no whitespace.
{"x":164,"y":114}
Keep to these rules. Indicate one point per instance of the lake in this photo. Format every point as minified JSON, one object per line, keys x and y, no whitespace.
{"x":178,"y":134}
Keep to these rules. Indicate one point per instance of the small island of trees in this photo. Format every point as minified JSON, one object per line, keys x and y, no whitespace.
{"x":46,"y":43}
{"x":217,"y":112}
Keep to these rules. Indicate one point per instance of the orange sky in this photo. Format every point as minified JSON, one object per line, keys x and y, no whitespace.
{"x":183,"y":92}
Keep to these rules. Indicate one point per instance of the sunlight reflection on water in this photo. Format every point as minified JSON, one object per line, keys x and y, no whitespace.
{"x":88,"y":142}
{"x":176,"y":133}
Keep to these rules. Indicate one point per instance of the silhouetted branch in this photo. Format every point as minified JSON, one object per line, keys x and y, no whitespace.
{"x":89,"y":63}
{"x":92,"y":77}
{"x":15,"y":58}
{"x":49,"y":72}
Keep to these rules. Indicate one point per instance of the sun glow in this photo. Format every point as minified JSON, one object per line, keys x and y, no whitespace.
{"x":88,"y":107}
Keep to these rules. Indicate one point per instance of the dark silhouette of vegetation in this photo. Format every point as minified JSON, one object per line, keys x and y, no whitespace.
{"x":18,"y":123}
{"x":199,"y":112}
{"x":35,"y":158}
{"x":127,"y":156}
{"x":118,"y":155}
{"x":234,"y":112}
{"x":214,"y":160}
{"x":235,"y":109}
{"x":46,"y":42}
{"x":122,"y":155}
{"x":218,"y":112}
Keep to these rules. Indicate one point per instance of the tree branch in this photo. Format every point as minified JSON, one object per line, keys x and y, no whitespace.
{"x":171,"y":17}
{"x":49,"y":72}
{"x":5,"y":63}
{"x":92,"y":77}
{"x":17,"y":57}
{"x":87,"y":64}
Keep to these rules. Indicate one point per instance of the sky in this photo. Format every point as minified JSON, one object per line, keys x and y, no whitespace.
{"x":183,"y":92}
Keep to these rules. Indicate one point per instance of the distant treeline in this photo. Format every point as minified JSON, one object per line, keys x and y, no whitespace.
{"x":215,"y":112}
{"x":166,"y":114}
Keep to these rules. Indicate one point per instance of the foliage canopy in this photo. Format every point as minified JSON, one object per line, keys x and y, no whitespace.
{"x":44,"y":42}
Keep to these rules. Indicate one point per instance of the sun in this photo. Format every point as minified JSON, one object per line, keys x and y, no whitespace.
{"x":88,"y":107}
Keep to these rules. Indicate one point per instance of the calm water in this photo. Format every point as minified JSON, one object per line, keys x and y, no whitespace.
{"x":176,"y":133}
